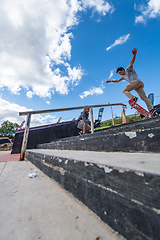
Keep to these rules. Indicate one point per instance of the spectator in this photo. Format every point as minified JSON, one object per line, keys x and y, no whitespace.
{"x":83,"y":121}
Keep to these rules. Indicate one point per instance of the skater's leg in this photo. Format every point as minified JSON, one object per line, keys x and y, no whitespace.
{"x":86,"y":127}
{"x":131,"y":86}
{"x":143,"y":96}
{"x":80,"y":124}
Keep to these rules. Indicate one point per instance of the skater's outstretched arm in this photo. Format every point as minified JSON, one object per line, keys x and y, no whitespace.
{"x":134,"y":52}
{"x":115,"y":81}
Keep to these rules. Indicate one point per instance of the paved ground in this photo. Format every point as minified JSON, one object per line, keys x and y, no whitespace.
{"x":6,"y":156}
{"x":37,"y":208}
{"x":143,"y":162}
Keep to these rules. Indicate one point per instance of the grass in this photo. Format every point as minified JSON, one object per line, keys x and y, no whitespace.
{"x":5,"y":149}
{"x":118,"y":121}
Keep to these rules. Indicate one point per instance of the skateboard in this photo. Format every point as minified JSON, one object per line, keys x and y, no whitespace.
{"x":141,"y":110}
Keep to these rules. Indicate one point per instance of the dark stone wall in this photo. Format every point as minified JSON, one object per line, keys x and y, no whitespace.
{"x":128,"y":201}
{"x":44,"y":134}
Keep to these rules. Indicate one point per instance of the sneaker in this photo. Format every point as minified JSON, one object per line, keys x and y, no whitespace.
{"x":154,"y":112}
{"x":81,"y":133}
{"x":135,"y":99}
{"x":97,"y":124}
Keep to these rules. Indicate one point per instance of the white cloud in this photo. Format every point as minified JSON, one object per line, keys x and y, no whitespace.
{"x":111,"y":73}
{"x":92,"y":91}
{"x":38,"y":120}
{"x":101,"y":6}
{"x":74,"y":74}
{"x":29,"y":94}
{"x":149,"y":10}
{"x":10,"y":111}
{"x":36,"y":38}
{"x":140,"y":19}
{"x":119,"y":41}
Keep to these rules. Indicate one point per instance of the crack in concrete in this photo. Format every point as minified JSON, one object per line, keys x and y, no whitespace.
{"x":3,"y":168}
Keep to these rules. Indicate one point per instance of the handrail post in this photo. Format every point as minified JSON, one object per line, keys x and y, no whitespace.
{"x":124,"y":120}
{"x":25,"y":138}
{"x":112,"y":116}
{"x":92,"y":122}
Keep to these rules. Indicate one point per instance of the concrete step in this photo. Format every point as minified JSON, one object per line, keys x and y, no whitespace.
{"x":132,"y":126}
{"x":141,"y":140}
{"x":121,"y":188}
{"x":53,"y":132}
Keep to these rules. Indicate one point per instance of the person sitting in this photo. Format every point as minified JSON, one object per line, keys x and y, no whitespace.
{"x":83,"y":121}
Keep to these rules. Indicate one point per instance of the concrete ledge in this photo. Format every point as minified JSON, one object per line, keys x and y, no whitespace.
{"x":127,"y":200}
{"x":144,"y":140}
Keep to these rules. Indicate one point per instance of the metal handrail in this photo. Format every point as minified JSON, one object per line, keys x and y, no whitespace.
{"x":29,"y":113}
{"x":71,"y":108}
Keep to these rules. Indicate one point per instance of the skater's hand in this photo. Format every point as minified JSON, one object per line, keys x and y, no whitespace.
{"x":134,"y":51}
{"x":108,"y":81}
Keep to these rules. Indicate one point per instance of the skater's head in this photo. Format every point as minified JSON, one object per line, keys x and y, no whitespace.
{"x":121,"y":70}
{"x":87,"y":110}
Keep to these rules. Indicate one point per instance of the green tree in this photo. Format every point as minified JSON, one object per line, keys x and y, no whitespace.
{"x":8,"y":129}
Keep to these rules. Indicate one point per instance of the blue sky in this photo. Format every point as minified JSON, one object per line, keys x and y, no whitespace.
{"x":57,"y":54}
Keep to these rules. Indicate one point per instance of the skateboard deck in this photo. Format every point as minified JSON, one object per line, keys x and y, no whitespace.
{"x":141,"y":110}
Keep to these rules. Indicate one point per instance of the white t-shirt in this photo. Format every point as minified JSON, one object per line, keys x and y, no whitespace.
{"x":130,"y":75}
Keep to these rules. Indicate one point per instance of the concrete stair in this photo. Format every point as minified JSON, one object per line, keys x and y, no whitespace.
{"x":123,"y":189}
{"x":117,"y":176}
{"x":143,"y":136}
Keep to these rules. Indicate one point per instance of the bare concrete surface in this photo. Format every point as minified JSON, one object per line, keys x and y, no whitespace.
{"x":2,"y":166}
{"x":142,"y":162}
{"x":37,"y":208}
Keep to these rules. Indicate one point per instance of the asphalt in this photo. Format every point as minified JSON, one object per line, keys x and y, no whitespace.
{"x":38,"y":208}
{"x":140,"y":162}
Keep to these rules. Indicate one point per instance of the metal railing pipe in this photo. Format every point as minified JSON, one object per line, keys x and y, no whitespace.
{"x":29,"y":113}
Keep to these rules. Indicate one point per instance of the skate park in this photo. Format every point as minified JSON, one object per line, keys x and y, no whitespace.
{"x":114,"y":172}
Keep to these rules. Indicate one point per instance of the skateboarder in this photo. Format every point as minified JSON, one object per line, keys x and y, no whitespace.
{"x":83,"y":122}
{"x":135,"y":83}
